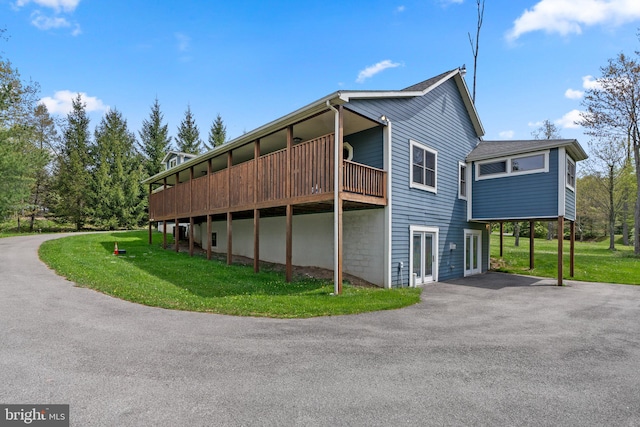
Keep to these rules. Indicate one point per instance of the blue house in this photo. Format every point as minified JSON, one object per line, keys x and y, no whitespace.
{"x":396,"y":187}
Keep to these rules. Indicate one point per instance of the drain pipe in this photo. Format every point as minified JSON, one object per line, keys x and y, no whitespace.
{"x":336,"y":197}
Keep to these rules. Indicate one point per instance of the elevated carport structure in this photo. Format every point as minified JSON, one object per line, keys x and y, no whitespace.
{"x":526,"y":180}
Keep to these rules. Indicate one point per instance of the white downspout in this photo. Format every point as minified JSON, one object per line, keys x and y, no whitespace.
{"x":387,"y":212}
{"x":336,"y":196}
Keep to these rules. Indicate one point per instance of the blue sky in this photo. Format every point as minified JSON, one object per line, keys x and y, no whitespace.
{"x":254,"y":61}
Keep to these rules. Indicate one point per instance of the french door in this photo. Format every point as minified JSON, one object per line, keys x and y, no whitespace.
{"x":424,"y":254}
{"x":472,"y":252}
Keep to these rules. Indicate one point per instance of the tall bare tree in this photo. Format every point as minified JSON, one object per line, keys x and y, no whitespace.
{"x":476,"y":46}
{"x":613,"y":111}
{"x":548,"y":130}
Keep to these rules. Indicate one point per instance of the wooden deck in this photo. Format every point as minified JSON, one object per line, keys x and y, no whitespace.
{"x":303,"y":174}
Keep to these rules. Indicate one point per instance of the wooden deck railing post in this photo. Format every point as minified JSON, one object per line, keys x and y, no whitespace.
{"x":256,"y":212}
{"x":150,"y":223}
{"x":176,"y":225}
{"x":164,"y":221}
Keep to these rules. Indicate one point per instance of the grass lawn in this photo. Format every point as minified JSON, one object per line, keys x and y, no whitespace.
{"x":150,"y":275}
{"x":594,"y":262}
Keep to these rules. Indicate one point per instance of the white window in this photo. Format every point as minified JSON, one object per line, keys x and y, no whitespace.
{"x":424,"y":171}
{"x":571,"y":174}
{"x":173,"y":163}
{"x":515,"y":165}
{"x":462,"y":180}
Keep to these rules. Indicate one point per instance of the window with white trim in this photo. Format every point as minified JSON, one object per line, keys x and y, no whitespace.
{"x":423,"y":167}
{"x":571,"y":174}
{"x":173,"y":163}
{"x":462,"y":180}
{"x":515,"y":165}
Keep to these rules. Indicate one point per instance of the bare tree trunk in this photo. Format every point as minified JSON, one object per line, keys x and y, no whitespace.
{"x":636,"y":221}
{"x":549,"y":230}
{"x":516,"y":232}
{"x":474,"y":47}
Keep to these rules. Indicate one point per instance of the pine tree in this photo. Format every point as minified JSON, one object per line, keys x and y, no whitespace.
{"x":155,"y":141}
{"x":217,"y":133}
{"x":73,"y":174}
{"x":116,"y":190}
{"x":45,"y":138}
{"x":188,"y":139}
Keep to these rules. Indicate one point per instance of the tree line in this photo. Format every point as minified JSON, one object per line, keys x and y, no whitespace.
{"x":62,"y":169}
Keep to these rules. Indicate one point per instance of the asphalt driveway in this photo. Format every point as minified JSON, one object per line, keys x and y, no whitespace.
{"x":487,"y":350}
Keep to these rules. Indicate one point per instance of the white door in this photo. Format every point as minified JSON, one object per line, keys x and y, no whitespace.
{"x":423,"y":256}
{"x":472,"y":252}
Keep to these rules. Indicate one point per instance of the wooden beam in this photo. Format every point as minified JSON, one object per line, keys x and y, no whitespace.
{"x":572,"y":248}
{"x":560,"y":247}
{"x":229,"y":238}
{"x":176,"y":234}
{"x":209,"y":236}
{"x":256,"y":240}
{"x":532,"y":238}
{"x":191,"y":224}
{"x":501,"y":238}
{"x":150,"y":222}
{"x":164,"y":222}
{"x":289,"y":244}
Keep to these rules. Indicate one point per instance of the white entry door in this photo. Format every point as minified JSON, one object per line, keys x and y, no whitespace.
{"x":472,"y":252}
{"x":424,"y":243}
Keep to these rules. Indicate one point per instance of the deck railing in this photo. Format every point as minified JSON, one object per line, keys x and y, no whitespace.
{"x":312,"y":175}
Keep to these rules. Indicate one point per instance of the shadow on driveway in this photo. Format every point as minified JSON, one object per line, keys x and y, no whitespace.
{"x":496,"y":281}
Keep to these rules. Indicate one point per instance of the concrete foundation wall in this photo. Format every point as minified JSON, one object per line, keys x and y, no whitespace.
{"x":363,"y":241}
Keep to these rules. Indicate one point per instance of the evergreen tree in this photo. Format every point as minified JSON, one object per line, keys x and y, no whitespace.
{"x":45,"y":137}
{"x":19,"y":158}
{"x":155,"y":141}
{"x":217,"y":133}
{"x":117,"y":192}
{"x":188,"y":139}
{"x":73,"y":172}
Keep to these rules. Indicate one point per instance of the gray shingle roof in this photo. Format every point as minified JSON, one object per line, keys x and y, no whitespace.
{"x":427,"y":83}
{"x":494,"y":149}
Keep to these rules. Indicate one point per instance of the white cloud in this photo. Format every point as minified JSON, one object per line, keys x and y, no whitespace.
{"x":570,"y":16}
{"x":573,"y":94}
{"x":507,"y":134}
{"x":568,"y":121}
{"x":61,"y":102}
{"x":448,"y":2}
{"x":57,"y":5}
{"x":372,"y":70}
{"x":400,"y":9}
{"x":535,"y":124}
{"x":588,"y":82}
{"x":43,"y":22}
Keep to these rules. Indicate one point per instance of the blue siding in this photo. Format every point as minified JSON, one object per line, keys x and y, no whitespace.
{"x":367,"y":147}
{"x":517,"y":196}
{"x":440,"y":121}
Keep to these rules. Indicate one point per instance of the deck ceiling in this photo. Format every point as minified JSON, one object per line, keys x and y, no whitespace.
{"x":321,"y":124}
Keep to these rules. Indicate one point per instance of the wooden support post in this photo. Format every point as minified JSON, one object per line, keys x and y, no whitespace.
{"x":340,"y":184}
{"x":572,"y":248}
{"x":256,"y":212}
{"x":208,"y":236}
{"x":256,"y":240}
{"x":289,"y":168}
{"x":532,"y":237}
{"x":164,"y":222}
{"x":176,"y":225}
{"x":501,"y":238}
{"x":229,"y":238}
{"x":560,"y":247}
{"x":176,"y":234}
{"x":191,"y":224}
{"x":150,"y":222}
{"x":289,"y":244}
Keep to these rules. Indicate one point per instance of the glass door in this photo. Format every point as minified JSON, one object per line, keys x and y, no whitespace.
{"x":472,"y":252}
{"x":423,"y":257}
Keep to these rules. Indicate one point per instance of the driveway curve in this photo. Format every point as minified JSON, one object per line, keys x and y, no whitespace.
{"x":488,"y":350}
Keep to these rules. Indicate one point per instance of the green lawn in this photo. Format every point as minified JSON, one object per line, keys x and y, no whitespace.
{"x":150,"y":275}
{"x":594,"y":262}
